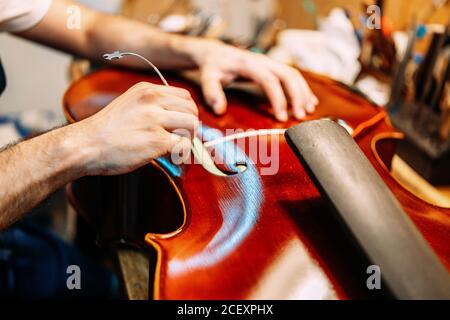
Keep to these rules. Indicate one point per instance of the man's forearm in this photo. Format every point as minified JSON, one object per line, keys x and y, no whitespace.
{"x":102,"y":33}
{"x":167,"y":51}
{"x":33,"y":169}
{"x":125,"y":135}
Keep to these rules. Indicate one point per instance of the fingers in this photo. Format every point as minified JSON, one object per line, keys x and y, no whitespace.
{"x":180,"y":92}
{"x":178,"y":122}
{"x":300,"y":95}
{"x":179,"y":148}
{"x":296,"y":96}
{"x":212,"y":90}
{"x":173,"y":103}
{"x":271,"y":85}
{"x":310,"y":98}
{"x":172,"y":108}
{"x":168,"y":98}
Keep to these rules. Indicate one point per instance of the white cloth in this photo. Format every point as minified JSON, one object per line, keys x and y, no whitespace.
{"x":20,"y":15}
{"x":333,"y":50}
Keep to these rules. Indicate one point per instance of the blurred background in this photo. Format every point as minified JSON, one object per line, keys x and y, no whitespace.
{"x":37,"y":76}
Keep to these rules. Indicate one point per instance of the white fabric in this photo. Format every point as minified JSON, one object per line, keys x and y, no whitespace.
{"x":20,"y":15}
{"x":333,"y":50}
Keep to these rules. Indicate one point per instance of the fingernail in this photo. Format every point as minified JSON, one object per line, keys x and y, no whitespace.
{"x":300,"y":115}
{"x":310,"y":107}
{"x":283,"y":116}
{"x":219,"y":108}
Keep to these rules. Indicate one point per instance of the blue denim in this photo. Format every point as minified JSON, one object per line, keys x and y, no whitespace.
{"x":33,"y":265}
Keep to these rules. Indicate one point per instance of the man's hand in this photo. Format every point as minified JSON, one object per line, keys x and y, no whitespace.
{"x":136,"y":128}
{"x":220,"y":64}
{"x":131,"y":131}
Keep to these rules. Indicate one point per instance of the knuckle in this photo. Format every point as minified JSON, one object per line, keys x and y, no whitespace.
{"x":195,"y":121}
{"x":148,"y":93}
{"x":152,"y":118}
{"x":295,"y":73}
{"x":244,"y":60}
{"x":192,"y":107}
{"x":142,"y":84}
{"x":243,"y":63}
{"x":159,"y":117}
{"x":270,"y":78}
{"x":192,"y":122}
{"x":183,"y":92}
{"x":289,"y":73}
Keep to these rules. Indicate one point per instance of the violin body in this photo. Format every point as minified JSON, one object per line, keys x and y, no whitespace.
{"x":244,"y":235}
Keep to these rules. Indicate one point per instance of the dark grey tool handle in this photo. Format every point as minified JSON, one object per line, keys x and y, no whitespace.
{"x":345,"y":178}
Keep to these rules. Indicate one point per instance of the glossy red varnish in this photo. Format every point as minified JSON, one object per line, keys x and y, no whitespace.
{"x":282,"y":242}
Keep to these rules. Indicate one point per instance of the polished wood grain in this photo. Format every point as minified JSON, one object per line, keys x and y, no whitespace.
{"x":247,"y":235}
{"x":134,"y":269}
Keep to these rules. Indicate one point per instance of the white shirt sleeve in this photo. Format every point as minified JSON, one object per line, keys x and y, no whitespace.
{"x":20,"y":15}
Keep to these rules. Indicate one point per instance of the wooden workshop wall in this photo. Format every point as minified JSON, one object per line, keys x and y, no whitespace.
{"x":143,"y":9}
{"x":400,"y":11}
{"x":292,"y":11}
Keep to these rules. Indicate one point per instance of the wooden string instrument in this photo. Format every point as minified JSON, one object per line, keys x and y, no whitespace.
{"x":241,"y":234}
